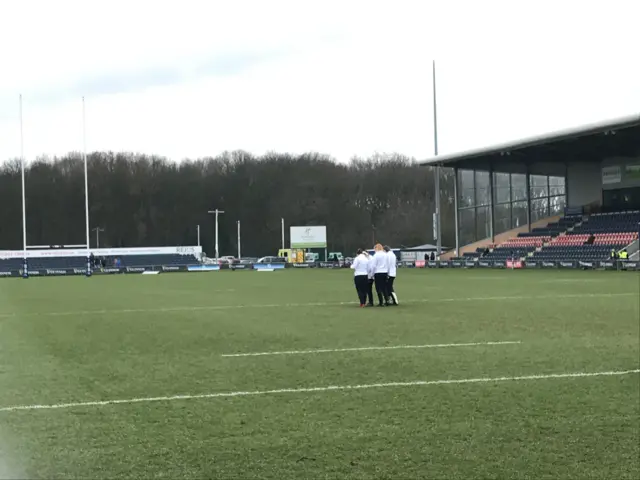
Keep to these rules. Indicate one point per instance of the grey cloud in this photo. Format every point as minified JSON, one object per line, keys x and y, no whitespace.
{"x":154,"y":76}
{"x":126,"y":82}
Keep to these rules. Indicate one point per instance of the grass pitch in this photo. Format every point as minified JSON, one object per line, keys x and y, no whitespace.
{"x":76,"y":340}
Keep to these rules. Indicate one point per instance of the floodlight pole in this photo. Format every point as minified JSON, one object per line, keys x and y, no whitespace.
{"x":98,"y":230}
{"x":437,"y":172}
{"x":282,"y":222}
{"x":198,"y":229}
{"x":239,"y":254}
{"x":216,"y":212}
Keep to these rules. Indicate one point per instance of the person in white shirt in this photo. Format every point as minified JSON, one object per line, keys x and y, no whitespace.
{"x":360,"y":266}
{"x":370,"y":281}
{"x":380,"y":274}
{"x":393,"y":268}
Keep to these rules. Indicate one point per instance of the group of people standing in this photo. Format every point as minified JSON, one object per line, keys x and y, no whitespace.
{"x":379,"y":269}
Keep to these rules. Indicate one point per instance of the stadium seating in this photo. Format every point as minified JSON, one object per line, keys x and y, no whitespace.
{"x":153,"y":260}
{"x":506,"y":253}
{"x":553,"y":229}
{"x":594,"y":238}
{"x":573,"y":238}
{"x":80,"y":262}
{"x":518,"y":242}
{"x":472,"y":256}
{"x":516,"y":248}
{"x":570,"y":239}
{"x":621,"y":222}
{"x":617,"y":239}
{"x":572,"y":252}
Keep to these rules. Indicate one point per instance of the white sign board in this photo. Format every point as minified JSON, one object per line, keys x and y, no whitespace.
{"x":101,"y":252}
{"x":632,"y":172}
{"x":308,"y":237}
{"x":611,"y":175}
{"x":435,"y":226}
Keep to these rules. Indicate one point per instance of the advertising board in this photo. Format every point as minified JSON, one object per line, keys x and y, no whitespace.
{"x":203,"y":268}
{"x":101,"y":252}
{"x":632,"y":172}
{"x":611,"y":175}
{"x":269,"y":266}
{"x":308,"y":237}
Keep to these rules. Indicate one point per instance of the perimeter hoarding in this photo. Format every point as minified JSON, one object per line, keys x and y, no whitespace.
{"x":101,"y":252}
{"x":308,"y":237}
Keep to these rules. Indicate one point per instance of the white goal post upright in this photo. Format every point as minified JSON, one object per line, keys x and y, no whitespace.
{"x":86,"y":189}
{"x":25,"y":246}
{"x":25,"y":269}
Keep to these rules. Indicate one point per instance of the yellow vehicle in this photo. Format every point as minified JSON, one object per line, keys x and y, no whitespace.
{"x":293,"y":255}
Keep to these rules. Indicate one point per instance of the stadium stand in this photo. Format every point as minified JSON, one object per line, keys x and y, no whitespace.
{"x":592,"y":239}
{"x":610,"y":223}
{"x":166,"y":260}
{"x":573,"y":237}
{"x":170,"y":260}
{"x":502,"y":253}
{"x":519,"y":242}
{"x":555,"y":228}
{"x":473,"y":256}
{"x":569,"y":240}
{"x":582,"y":252}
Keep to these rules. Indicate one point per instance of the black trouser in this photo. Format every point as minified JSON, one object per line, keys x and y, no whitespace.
{"x":381,"y":288}
{"x":361,"y":287}
{"x":390,"y":289}
{"x":370,"y":290}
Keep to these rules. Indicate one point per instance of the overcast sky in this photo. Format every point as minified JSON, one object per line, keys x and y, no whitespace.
{"x":195,"y":78}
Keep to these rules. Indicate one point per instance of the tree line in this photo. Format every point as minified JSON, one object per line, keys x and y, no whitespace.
{"x":141,"y":200}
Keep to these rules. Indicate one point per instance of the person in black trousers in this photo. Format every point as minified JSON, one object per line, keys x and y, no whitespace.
{"x":391,"y":278}
{"x":360,"y":266}
{"x":381,"y":272}
{"x":370,"y":281}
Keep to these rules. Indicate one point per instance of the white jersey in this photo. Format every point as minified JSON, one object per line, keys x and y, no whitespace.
{"x":371,"y":268}
{"x":380,"y":263}
{"x":360,"y":265}
{"x":393,"y":263}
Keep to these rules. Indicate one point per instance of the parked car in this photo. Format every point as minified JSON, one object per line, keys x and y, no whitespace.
{"x":227,"y":260}
{"x":272,"y":260}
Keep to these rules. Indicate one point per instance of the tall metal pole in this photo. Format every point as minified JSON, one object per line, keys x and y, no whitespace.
{"x":455,"y":211}
{"x":437,"y":173}
{"x":282,"y":233}
{"x":86,"y":188}
{"x":239,"y":254}
{"x":98,"y":230}
{"x":25,"y":272}
{"x":198,"y":228}
{"x":216,"y":212}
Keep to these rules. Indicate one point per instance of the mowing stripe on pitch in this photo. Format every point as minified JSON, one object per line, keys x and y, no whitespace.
{"x":330,"y":388}
{"x":361,"y":349}
{"x":192,"y":308}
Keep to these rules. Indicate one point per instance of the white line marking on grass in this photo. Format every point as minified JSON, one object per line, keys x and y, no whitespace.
{"x":360,"y":349}
{"x":575,"y":280}
{"x":314,"y":390}
{"x":301,"y":305}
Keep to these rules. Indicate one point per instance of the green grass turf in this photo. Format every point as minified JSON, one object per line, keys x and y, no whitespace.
{"x":119,"y":337}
